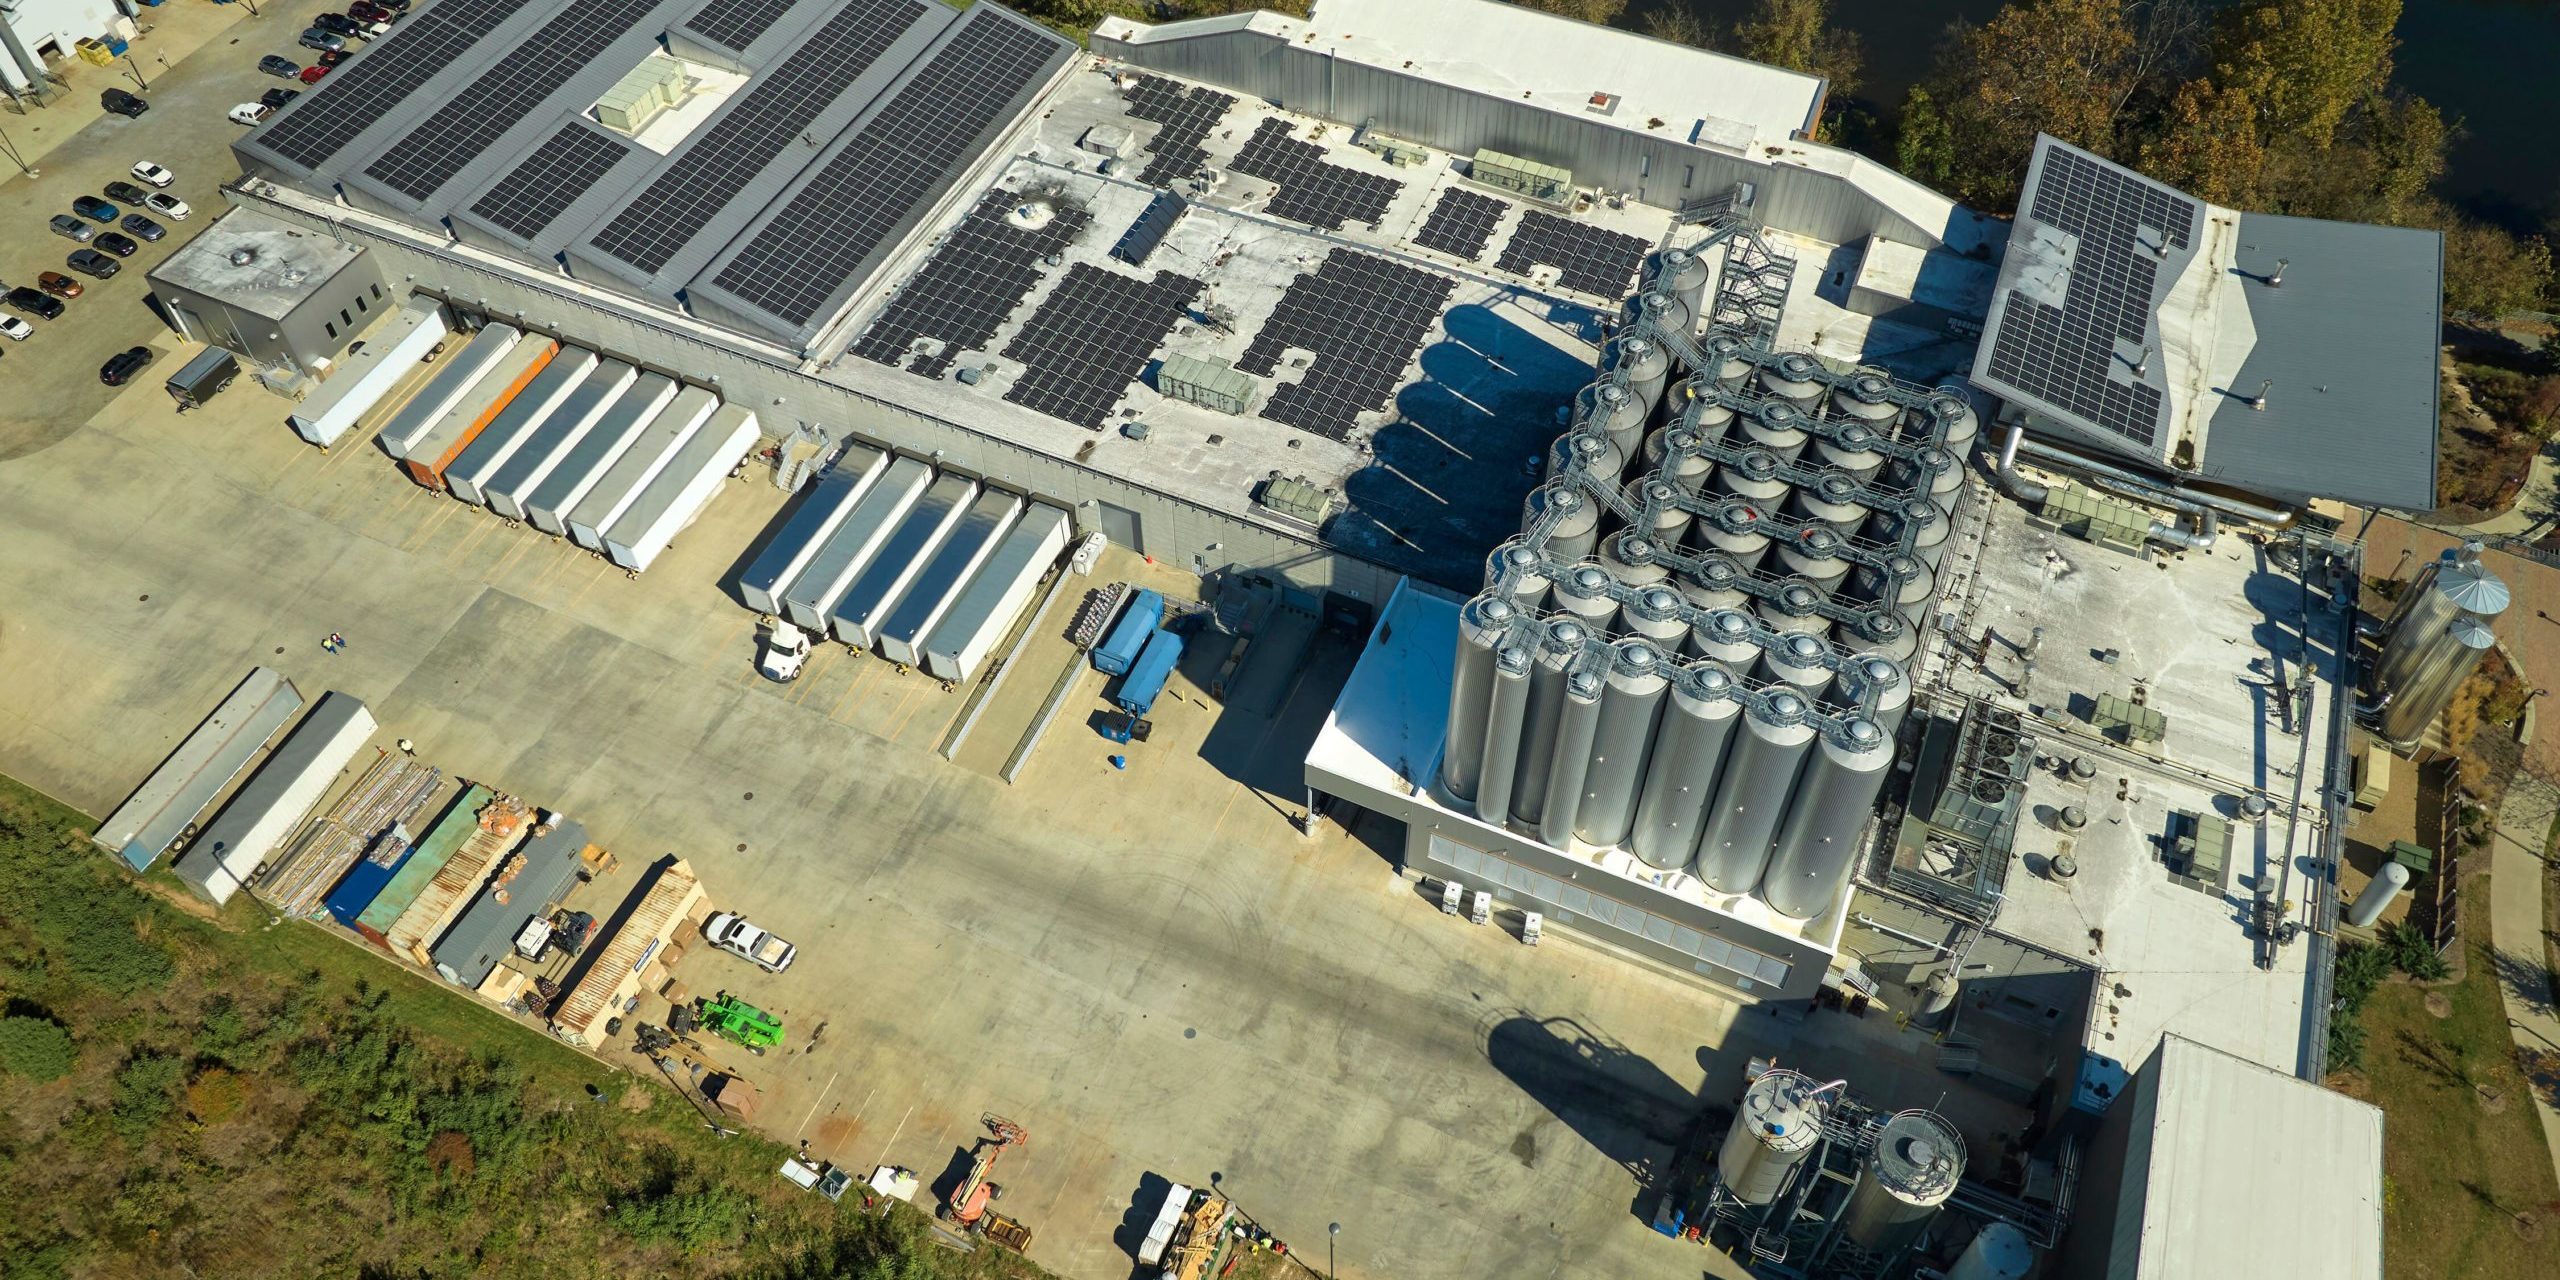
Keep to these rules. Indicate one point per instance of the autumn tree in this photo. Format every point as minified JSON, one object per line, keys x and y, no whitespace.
{"x":1600,"y":11}
{"x":2209,"y":146}
{"x":2489,"y":272}
{"x":2305,"y":63}
{"x":2062,"y":67}
{"x":1798,"y":35}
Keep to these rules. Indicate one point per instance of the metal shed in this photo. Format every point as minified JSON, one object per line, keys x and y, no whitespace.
{"x":444,"y":443}
{"x":427,"y":857}
{"x":266,"y":809}
{"x":174,"y":796}
{"x":499,"y":828}
{"x":511,"y":426}
{"x":362,"y":378}
{"x":879,"y":587}
{"x":681,"y":489}
{"x":672,"y":414}
{"x":986,"y":608}
{"x":823,"y":506}
{"x":551,"y":439}
{"x":523,"y":890}
{"x":812,"y":595}
{"x":463,"y":366}
{"x":902,"y":633}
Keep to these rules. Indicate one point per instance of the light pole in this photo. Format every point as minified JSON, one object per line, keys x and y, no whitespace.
{"x":14,"y":158}
{"x":1331,"y":1230}
{"x":136,"y":69}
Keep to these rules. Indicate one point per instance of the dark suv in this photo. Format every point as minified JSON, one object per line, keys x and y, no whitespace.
{"x":126,"y":193}
{"x":34,"y":303}
{"x":91,"y":263}
{"x":94,"y":209}
{"x":121,"y":103}
{"x":121,"y":366}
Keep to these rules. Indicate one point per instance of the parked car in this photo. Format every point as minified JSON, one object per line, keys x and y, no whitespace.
{"x":167,"y":206}
{"x":71,"y":228}
{"x":117,"y":243}
{"x":153,"y":174}
{"x":118,"y":102}
{"x":121,"y":366}
{"x":311,"y":74}
{"x":58,"y":284}
{"x":343,"y":25}
{"x":732,"y":933}
{"x":143,"y":227}
{"x":15,"y":329}
{"x":279,"y":65}
{"x":368,"y":11}
{"x":274,"y":100}
{"x":93,"y":264}
{"x":395,"y":6}
{"x":316,"y":38}
{"x":93,"y":208}
{"x":35,"y":303}
{"x":329,"y":57}
{"x":253,"y":112}
{"x":126,"y":193}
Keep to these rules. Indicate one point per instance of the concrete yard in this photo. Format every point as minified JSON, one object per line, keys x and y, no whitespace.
{"x":1148,"y":968}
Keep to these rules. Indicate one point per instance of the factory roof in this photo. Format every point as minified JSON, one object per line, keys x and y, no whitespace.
{"x":255,"y":263}
{"x":2287,"y":356}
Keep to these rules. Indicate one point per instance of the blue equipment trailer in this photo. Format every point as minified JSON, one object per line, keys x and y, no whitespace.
{"x":1145,"y":681}
{"x":1129,"y":635}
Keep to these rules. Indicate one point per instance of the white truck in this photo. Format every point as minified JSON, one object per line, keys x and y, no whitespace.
{"x":786,"y":650}
{"x":731,"y":933}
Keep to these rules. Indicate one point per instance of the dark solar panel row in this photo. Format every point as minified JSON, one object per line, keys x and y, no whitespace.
{"x":1312,"y":191}
{"x":970,"y":285}
{"x":735,"y":24}
{"x":898,"y":162}
{"x":1154,"y":223}
{"x":776,"y":107}
{"x":1092,"y":338}
{"x":1462,"y":224}
{"x":559,"y":171}
{"x":1187,"y":114}
{"x":374,"y":85}
{"x":1365,"y":318}
{"x":1587,"y":259}
{"x":455,"y":135}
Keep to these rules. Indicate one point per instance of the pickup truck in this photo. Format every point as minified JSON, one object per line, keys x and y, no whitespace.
{"x":731,"y":933}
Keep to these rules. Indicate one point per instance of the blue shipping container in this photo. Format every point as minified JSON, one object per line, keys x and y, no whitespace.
{"x":1129,"y":635}
{"x":1147,"y":675}
{"x":361,"y":885}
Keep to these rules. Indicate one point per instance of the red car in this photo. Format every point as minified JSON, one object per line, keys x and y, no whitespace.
{"x":311,"y":74}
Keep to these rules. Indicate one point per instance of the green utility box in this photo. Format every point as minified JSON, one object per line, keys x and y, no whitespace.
{"x":2418,"y":858}
{"x":2095,"y":517}
{"x":1211,"y":384}
{"x":1543,"y":182}
{"x":2131,"y":720}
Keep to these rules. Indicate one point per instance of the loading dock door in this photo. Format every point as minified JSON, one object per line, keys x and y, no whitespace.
{"x":1119,"y":524}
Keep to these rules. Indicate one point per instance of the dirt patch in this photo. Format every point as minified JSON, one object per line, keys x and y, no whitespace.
{"x":2439,"y":1005}
{"x":638,"y":1098}
{"x":2351,"y":1083}
{"x":450,"y":1152}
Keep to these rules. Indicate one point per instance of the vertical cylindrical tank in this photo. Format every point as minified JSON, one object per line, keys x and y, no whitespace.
{"x":1898,"y":582}
{"x":2417,"y":589}
{"x":1917,"y":1162}
{"x":1617,"y":413}
{"x":1711,"y":419}
{"x":1556,"y":651}
{"x":1751,"y":796}
{"x":1880,"y":689}
{"x":1851,"y":449}
{"x":1931,"y":472}
{"x":1725,"y":635}
{"x":1577,"y":726}
{"x":1482,"y":624}
{"x":1664,"y":520}
{"x":1961,"y":426}
{"x":1793,"y":378}
{"x":1646,"y":366}
{"x":1753,"y":477}
{"x":1881,"y":632}
{"x":1714,"y":583}
{"x":1655,"y":615}
{"x":1816,"y":553}
{"x":2463,"y":588}
{"x":1916,"y":528}
{"x":2378,"y":893}
{"x":1519,"y":573}
{"x":1819,"y":836}
{"x":1682,"y":274}
{"x":1633,"y":559}
{"x":1666,"y":312}
{"x":1724,"y":352}
{"x":1832,"y":498}
{"x":1586,"y":451}
{"x":1672,"y":454}
{"x":1867,"y":397}
{"x":1778,"y":1123}
{"x":1800,"y":660}
{"x":2431,"y":682}
{"x":1998,"y":1252}
{"x":1576,"y":528}
{"x":1501,"y":769}
{"x":1795,"y":606}
{"x":1778,"y":427}
{"x":1688,"y":752}
{"x":1583,"y":592}
{"x":1630,"y":703}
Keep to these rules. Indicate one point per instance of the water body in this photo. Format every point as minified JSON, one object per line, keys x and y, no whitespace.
{"x":2478,"y":61}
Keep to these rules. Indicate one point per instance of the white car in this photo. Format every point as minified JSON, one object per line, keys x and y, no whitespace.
{"x":249,"y":113}
{"x":154,"y":174}
{"x":17,"y":330}
{"x":167,"y":206}
{"x":731,"y":933}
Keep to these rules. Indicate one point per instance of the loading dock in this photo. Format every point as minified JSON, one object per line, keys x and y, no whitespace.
{"x":901,"y":634}
{"x":877,"y":589}
{"x":464,"y":365}
{"x":814,"y":593}
{"x":996,"y":595}
{"x":509,"y":427}
{"x":363,"y":377}
{"x":617,"y":425}
{"x":680,"y":489}
{"x":823,"y":508}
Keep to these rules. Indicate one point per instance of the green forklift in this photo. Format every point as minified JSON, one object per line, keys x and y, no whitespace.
{"x":733,"y":1019}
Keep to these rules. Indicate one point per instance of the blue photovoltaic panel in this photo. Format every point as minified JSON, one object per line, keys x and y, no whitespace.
{"x":735,"y":24}
{"x":557,"y":173}
{"x":899,"y":162}
{"x":769,"y":117}
{"x":374,"y":85}
{"x":464,"y":126}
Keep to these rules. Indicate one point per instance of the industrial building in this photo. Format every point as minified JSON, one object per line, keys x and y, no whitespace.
{"x":37,"y":36}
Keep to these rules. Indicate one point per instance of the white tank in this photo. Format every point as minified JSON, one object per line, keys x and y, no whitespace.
{"x":1633,"y":559}
{"x":1934,"y":472}
{"x":1899,"y":582}
{"x":1778,"y":427}
{"x":1587,"y":452}
{"x":1576,"y":531}
{"x":1630,"y":704}
{"x":1751,"y":796}
{"x":1712,"y":420}
{"x":1715,"y":583}
{"x":1736,"y":529}
{"x":1795,"y":606}
{"x":1833,"y":499}
{"x":1682,"y":274}
{"x":2378,"y":893}
{"x":1961,"y":425}
{"x":1917,"y":1162}
{"x":1583,"y":593}
{"x":1666,"y":312}
{"x":1818,"y":838}
{"x":1617,"y":413}
{"x":1672,"y":454}
{"x":1754,"y":477}
{"x":1998,"y":1252}
{"x":1500,"y":772}
{"x":1521,"y":575}
{"x":1655,"y":615}
{"x":1646,"y":366}
{"x":1867,"y":396}
{"x":1577,"y":726}
{"x":1851,"y":447}
{"x":1794,"y":378}
{"x":1725,"y":636}
{"x":1882,"y":689}
{"x":1799,"y":661}
{"x":1724,"y":352}
{"x":1778,"y":1123}
{"x":1817,"y":553}
{"x":1482,"y":625}
{"x":1556,"y":653}
{"x":1916,"y":527}
{"x":1881,"y":632}
{"x":1688,"y":753}
{"x":1668,"y":523}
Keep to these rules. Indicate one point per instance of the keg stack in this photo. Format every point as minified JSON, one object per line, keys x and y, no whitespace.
{"x":1697,"y":648}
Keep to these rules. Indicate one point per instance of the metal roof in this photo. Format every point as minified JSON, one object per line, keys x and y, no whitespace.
{"x":523,"y":888}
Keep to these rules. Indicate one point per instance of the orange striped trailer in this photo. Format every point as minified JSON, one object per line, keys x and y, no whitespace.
{"x":445,"y":441}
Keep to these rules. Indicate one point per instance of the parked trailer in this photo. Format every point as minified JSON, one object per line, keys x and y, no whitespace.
{"x":362,"y":378}
{"x":274,"y":800}
{"x":901,"y":634}
{"x":985,"y":610}
{"x":877,"y":589}
{"x":552,"y":439}
{"x":513,"y":423}
{"x":371,"y":873}
{"x":202,"y":378}
{"x":824,"y":504}
{"x":621,"y":425}
{"x":679,"y":411}
{"x":174,"y":796}
{"x":681,"y":490}
{"x":1129,"y":636}
{"x":822,"y":582}
{"x":455,"y":432}
{"x":1145,"y":681}
{"x":522,"y":891}
{"x":460,"y":822}
{"x":501,"y":827}
{"x":445,"y":388}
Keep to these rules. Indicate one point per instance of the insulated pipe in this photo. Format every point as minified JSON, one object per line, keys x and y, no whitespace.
{"x":2152,"y":490}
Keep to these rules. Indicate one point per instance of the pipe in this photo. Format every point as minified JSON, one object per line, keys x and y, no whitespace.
{"x":2019,"y":487}
{"x":2154,"y":490}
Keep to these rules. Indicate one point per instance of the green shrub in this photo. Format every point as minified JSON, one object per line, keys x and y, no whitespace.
{"x":688,"y":1220}
{"x":2410,"y":952}
{"x":145,"y":1089}
{"x":37,"y":1048}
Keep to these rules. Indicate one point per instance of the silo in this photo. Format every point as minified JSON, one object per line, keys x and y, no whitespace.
{"x":1816,"y":553}
{"x":1672,"y":453}
{"x":1915,"y":527}
{"x":1666,"y":522}
{"x":1881,"y":689}
{"x":1725,"y":635}
{"x":1832,"y":499}
{"x":1779,"y":427}
{"x":1799,"y":660}
{"x":1501,"y":769}
{"x":1688,"y":752}
{"x":1794,"y":378}
{"x":1520,"y":573}
{"x":1714,"y":583}
{"x":1557,"y":649}
{"x":1615,"y":412}
{"x":1818,"y":839}
{"x":1583,"y":593}
{"x":1753,"y":477}
{"x":2436,"y":673}
{"x":1851,"y":449}
{"x":1577,"y":726}
{"x":2418,"y":585}
{"x":1866,"y":397}
{"x":1586,"y":451}
{"x":1751,"y":796}
{"x":1961,"y":424}
{"x":1724,"y":352}
{"x":1998,"y":1252}
{"x":1576,"y":530}
{"x":1778,"y":1123}
{"x":1931,"y":472}
{"x":2464,"y":588}
{"x":1794,"y":606}
{"x":1482,"y":625}
{"x":1633,"y":559}
{"x":1735,"y":527}
{"x":1916,"y":1164}
{"x":1682,"y":274}
{"x":1655,"y":615}
{"x":1646,"y":367}
{"x":1881,"y":632}
{"x":1711,"y":419}
{"x":1665,"y":311}
{"x":1630,"y":703}
{"x":1898,"y":582}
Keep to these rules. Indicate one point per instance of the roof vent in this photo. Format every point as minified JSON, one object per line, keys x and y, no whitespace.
{"x":1604,"y":104}
{"x":243,"y":256}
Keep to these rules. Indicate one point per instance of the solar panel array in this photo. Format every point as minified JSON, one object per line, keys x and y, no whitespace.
{"x":1187,"y":114}
{"x":970,"y":285}
{"x":1313,"y":191}
{"x":374,"y":85}
{"x":897,"y":163}
{"x":735,"y":24}
{"x":2070,"y":356}
{"x":770,"y":116}
{"x":1092,"y":338}
{"x":1365,"y":318}
{"x":1589,"y":260}
{"x":534,"y":193}
{"x":1462,"y":224}
{"x":427,"y":158}
{"x":1154,"y":223}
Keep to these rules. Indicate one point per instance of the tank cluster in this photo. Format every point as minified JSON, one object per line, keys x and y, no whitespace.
{"x":1898,"y":1170}
{"x":1695,"y":648}
{"x":2436,"y":636}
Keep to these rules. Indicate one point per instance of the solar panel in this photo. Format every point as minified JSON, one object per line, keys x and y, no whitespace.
{"x":969,"y":286}
{"x":770,"y":116}
{"x":898,"y":163}
{"x":1092,"y":338}
{"x":373,"y":86}
{"x":735,"y":24}
{"x":1187,"y":114}
{"x":1462,"y":224}
{"x":1365,"y":318}
{"x":1587,"y":259}
{"x":428,"y":156}
{"x":558,"y":172}
{"x":1154,"y":223}
{"x":1312,"y":191}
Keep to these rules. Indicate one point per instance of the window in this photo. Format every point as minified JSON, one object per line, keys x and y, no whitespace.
{"x":1688,"y":176}
{"x":1644,"y":167}
{"x":377,"y":291}
{"x":360,"y":307}
{"x":345,"y":319}
{"x":333,"y":329}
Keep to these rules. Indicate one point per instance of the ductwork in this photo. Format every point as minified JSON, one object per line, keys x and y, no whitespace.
{"x":2018,"y":486}
{"x":2026,"y":490}
{"x":2153,"y":491}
